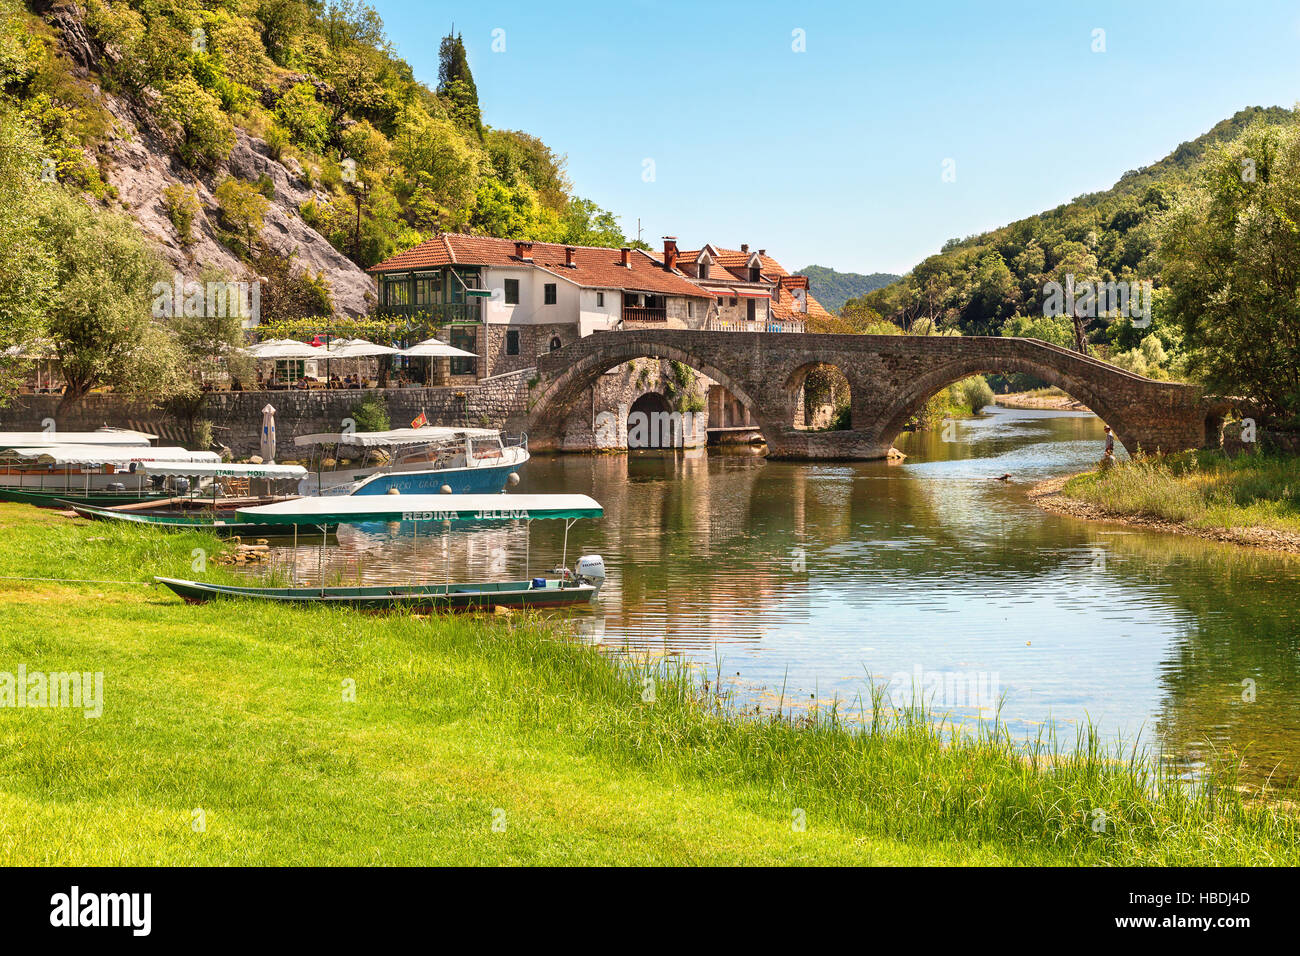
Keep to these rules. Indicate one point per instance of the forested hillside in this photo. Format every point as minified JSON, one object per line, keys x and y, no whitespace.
{"x":388,"y":159}
{"x":281,"y":142}
{"x":994,"y":282}
{"x":832,"y":289}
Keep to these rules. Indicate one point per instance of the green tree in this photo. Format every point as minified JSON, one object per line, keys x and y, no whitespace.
{"x":1231,"y":256}
{"x":290,"y":293}
{"x":456,"y":84}
{"x":242,"y":208}
{"x":182,"y":206}
{"x":99,"y":313}
{"x":28,"y":276}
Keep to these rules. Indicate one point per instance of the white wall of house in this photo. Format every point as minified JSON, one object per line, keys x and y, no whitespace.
{"x":599,"y":310}
{"x":532,"y":308}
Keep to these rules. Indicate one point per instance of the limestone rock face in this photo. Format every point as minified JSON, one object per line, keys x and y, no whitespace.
{"x":140,"y":166}
{"x":139,"y":163}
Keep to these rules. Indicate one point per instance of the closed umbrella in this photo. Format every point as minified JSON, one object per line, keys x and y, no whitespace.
{"x":268,"y":433}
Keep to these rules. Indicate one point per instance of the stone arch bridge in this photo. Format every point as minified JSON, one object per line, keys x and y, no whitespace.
{"x":890,"y":377}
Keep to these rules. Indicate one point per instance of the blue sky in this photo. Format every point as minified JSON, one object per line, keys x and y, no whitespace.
{"x":835,"y":155}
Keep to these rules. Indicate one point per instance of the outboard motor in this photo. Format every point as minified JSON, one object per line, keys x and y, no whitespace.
{"x":591,"y":570}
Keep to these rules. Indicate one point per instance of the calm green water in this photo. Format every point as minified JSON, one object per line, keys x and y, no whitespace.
{"x":798,"y":582}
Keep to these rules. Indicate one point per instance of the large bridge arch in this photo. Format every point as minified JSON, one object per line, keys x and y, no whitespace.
{"x":909,"y":402}
{"x":579,"y":369}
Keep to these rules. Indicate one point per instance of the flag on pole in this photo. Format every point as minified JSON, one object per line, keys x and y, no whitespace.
{"x":420,"y":421}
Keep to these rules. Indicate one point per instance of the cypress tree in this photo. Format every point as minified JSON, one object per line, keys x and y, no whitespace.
{"x":456,"y":84}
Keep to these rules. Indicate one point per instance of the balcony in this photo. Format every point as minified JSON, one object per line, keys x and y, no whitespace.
{"x":435,"y":314}
{"x":647,"y":316}
{"x":755,"y":325}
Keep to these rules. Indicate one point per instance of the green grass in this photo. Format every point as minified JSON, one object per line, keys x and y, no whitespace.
{"x":1202,"y":489}
{"x":238,"y":709}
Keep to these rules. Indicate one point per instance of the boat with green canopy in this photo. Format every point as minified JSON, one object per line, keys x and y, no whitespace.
{"x":579,"y":586}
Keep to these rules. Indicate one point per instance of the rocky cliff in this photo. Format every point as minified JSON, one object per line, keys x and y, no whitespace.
{"x":140,"y":165}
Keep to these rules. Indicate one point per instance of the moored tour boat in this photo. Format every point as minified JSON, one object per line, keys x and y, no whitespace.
{"x":435,"y":511}
{"x":419,"y":461}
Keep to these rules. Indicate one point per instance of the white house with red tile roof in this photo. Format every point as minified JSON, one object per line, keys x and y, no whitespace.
{"x":510,"y":300}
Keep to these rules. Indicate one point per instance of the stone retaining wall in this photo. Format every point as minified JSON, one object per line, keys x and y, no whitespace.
{"x":498,"y":402}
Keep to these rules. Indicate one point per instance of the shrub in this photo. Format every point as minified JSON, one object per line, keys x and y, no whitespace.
{"x":242,"y":207}
{"x":277,"y":141}
{"x":974,"y":393}
{"x":182,"y":205}
{"x":371,"y":415}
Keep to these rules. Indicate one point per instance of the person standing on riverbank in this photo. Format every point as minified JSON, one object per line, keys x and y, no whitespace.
{"x":1108,"y":459}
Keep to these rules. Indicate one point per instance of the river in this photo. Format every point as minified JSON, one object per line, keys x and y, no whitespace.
{"x":798,"y":583}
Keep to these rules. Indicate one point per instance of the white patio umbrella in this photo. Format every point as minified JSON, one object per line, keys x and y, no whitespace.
{"x":285,"y":349}
{"x":433,"y":348}
{"x":268,"y":433}
{"x":359,"y":348}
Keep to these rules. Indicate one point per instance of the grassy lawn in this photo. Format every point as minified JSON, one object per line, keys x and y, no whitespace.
{"x":239,"y":710}
{"x":1202,"y":489}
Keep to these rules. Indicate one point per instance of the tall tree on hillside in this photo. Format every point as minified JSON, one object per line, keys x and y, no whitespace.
{"x":1231,"y":261}
{"x":456,"y":83}
{"x":28,"y":276}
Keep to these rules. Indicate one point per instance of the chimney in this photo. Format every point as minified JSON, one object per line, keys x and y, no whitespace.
{"x":625,"y":256}
{"x":744,"y":247}
{"x":524,"y":251}
{"x":568,"y":256}
{"x":762,"y":252}
{"x":670,"y":253}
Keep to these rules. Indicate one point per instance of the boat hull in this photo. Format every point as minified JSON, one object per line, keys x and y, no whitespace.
{"x":462,"y":481}
{"x":61,"y":499}
{"x":480,"y":479}
{"x":417,"y":597}
{"x":198,"y":522}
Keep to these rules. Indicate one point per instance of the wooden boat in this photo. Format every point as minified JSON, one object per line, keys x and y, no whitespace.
{"x":49,"y":498}
{"x":539,"y":592}
{"x":575,"y":587}
{"x":211,"y":521}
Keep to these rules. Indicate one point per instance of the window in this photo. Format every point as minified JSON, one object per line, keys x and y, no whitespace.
{"x":600,"y":300}
{"x":733,"y":301}
{"x":463,"y":337}
{"x":719,"y":300}
{"x":289,"y":371}
{"x":555,"y":342}
{"x":750,"y":305}
{"x":397,"y":290}
{"x":512,"y":340}
{"x":754,"y":275}
{"x":549,"y":293}
{"x":704,"y":269}
{"x":690,"y":310}
{"x":512,"y":297}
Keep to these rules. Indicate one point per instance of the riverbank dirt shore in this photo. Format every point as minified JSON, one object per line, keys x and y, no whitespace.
{"x":1049,"y":496}
{"x":1062,"y":403}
